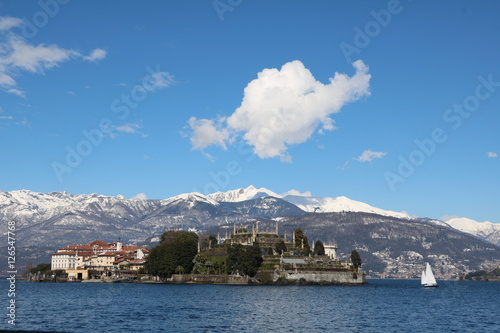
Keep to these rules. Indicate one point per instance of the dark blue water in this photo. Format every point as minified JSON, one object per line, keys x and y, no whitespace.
{"x":381,"y":306}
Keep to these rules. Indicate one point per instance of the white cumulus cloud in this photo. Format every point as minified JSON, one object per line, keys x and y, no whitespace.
{"x":283,"y":107}
{"x":17,"y":92}
{"x":132,"y":128}
{"x":7,"y":23}
{"x":35,"y":58}
{"x":491,"y":154}
{"x":139,"y":196}
{"x":207,"y":132}
{"x":368,"y":155}
{"x":298,"y":193}
{"x":158,"y":80}
{"x":96,"y":55}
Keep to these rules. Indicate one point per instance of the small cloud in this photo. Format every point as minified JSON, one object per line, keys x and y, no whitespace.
{"x":491,"y":154}
{"x":207,"y":132}
{"x":16,"y":92}
{"x":139,"y":196}
{"x":129,"y":128}
{"x":298,"y":193}
{"x":96,"y":55}
{"x":18,"y":55}
{"x":209,"y":157}
{"x":6,"y":23}
{"x":69,"y":92}
{"x":6,"y":80}
{"x":6,"y":117}
{"x":122,"y":84}
{"x":344,"y":166}
{"x":368,"y":156}
{"x":157,"y":80}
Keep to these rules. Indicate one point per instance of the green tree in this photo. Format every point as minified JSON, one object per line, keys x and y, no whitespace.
{"x":176,"y":248}
{"x":356,"y":259}
{"x":301,"y":241}
{"x":319,"y":248}
{"x":42,"y":268}
{"x":280,"y":247}
{"x":212,"y":240}
{"x":244,"y":260}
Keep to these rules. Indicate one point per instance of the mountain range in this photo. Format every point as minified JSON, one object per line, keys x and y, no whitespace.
{"x":46,"y":221}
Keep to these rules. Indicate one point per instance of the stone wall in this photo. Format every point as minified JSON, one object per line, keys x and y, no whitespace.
{"x":320,"y":278}
{"x":211,"y":279}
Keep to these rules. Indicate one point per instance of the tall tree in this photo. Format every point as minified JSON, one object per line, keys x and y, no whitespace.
{"x":356,"y":259}
{"x":319,"y":248}
{"x":280,"y":247}
{"x":212,"y":240}
{"x":244,"y":260}
{"x":301,"y":241}
{"x":176,"y":249}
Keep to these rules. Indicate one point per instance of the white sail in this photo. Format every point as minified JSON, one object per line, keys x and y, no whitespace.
{"x":428,"y":279}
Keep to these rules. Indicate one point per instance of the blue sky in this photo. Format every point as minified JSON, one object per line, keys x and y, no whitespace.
{"x":168,"y":97}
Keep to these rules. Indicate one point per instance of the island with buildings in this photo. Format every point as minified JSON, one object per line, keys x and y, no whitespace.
{"x":254,"y":256}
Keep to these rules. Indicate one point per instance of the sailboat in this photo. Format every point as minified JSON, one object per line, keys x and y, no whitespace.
{"x":428,"y":279}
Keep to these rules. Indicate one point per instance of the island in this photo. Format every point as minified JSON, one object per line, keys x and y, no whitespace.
{"x":245,"y":257}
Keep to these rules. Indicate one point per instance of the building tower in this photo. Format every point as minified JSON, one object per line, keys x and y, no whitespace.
{"x":331,"y":251}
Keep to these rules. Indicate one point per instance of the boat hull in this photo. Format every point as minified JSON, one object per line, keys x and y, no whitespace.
{"x":429,"y":285}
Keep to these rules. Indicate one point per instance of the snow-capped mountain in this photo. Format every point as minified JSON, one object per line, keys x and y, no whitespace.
{"x":242,"y":194}
{"x":484,"y":230}
{"x":46,"y":221}
{"x":339,"y":204}
{"x":191,"y":197}
{"x":264,"y":207}
{"x":307,"y":204}
{"x":28,"y":208}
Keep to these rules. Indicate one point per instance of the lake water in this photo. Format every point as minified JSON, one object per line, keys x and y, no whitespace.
{"x":380,"y":306}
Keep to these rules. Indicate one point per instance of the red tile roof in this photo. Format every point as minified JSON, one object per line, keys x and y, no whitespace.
{"x":98,"y":243}
{"x":65,"y":253}
{"x":119,"y":260}
{"x":84,"y":254}
{"x":129,"y":247}
{"x":137,"y":261}
{"x":77,"y":247}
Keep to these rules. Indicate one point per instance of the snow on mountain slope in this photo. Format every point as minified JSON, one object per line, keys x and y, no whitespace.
{"x":308,"y":204}
{"x":486,"y":230}
{"x":190,"y":197}
{"x":27,"y":208}
{"x":242,"y":194}
{"x":338,"y":204}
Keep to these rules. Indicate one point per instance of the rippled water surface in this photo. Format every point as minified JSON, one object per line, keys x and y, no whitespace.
{"x":381,"y":306}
